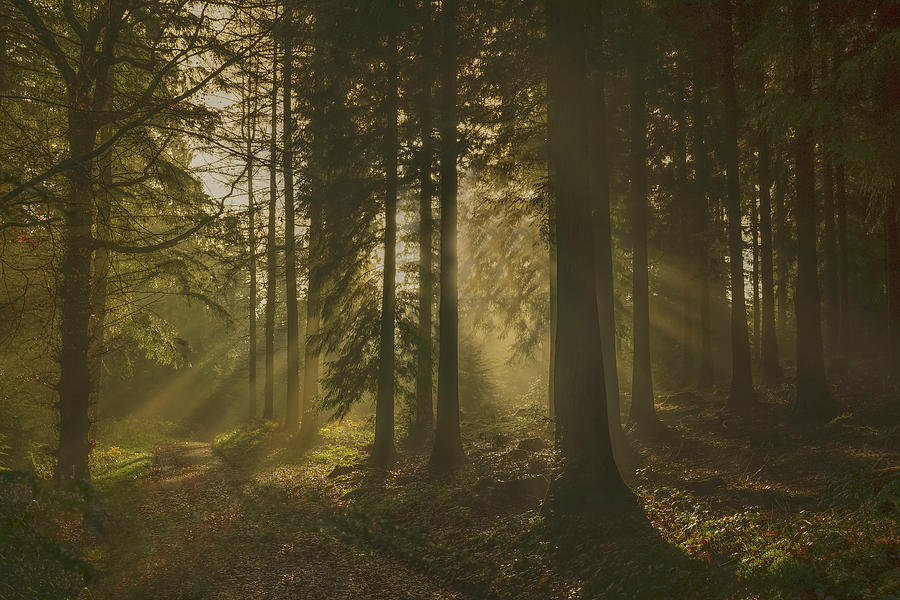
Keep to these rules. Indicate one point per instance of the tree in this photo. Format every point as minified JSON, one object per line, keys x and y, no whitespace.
{"x":292,"y":409}
{"x":383,"y":448}
{"x":813,"y":396}
{"x":271,"y":246}
{"x":448,"y":451}
{"x":741,"y":395}
{"x":769,"y":349}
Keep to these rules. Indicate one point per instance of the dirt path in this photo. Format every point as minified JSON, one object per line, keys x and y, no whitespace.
{"x":201,"y":531}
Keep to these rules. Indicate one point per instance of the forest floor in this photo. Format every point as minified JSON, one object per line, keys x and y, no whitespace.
{"x":726,"y":507}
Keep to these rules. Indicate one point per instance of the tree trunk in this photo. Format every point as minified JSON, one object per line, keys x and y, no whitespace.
{"x":292,"y":406}
{"x":829,"y":243}
{"x":741,"y":395}
{"x":551,"y":379}
{"x":754,"y":238}
{"x":769,"y":349}
{"x":702,"y":261}
{"x":251,"y":215}
{"x":586,"y":477}
{"x":782,"y":255}
{"x":75,"y":305}
{"x":309,"y":422}
{"x":603,"y":252}
{"x":448,"y":451}
{"x":892,"y":244}
{"x":843,"y":345}
{"x":643,"y":411}
{"x":813,"y":396}
{"x":100,"y":272}
{"x":271,"y":252}
{"x":423,"y":420}
{"x":383,"y":448}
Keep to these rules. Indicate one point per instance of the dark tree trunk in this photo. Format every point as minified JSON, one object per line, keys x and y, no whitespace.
{"x":292,"y":406}
{"x":551,"y":380}
{"x":271,"y":252}
{"x":423,"y":420}
{"x":754,"y":238}
{"x":603,"y":252}
{"x":448,"y":451}
{"x":829,"y":243}
{"x":813,"y":396}
{"x":782,"y":255}
{"x":702,"y":262}
{"x":687,"y":284}
{"x":75,"y":304}
{"x":843,"y":345}
{"x":586,"y":476}
{"x":892,"y":244}
{"x":100,"y":273}
{"x":741,"y":395}
{"x":309,"y":422}
{"x":383,"y":448}
{"x":643,"y":411}
{"x":251,"y":215}
{"x":769,"y":346}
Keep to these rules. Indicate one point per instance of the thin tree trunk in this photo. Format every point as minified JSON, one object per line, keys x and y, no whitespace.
{"x":782,"y":255}
{"x":813,"y":396}
{"x":754,"y":237}
{"x":769,"y":346}
{"x":643,"y":411}
{"x":423,"y":421}
{"x":843,"y":345}
{"x":741,"y":395}
{"x":251,"y":215}
{"x":829,"y":242}
{"x":383,"y":448}
{"x":551,"y":381}
{"x":448,"y":451}
{"x":687,"y":292}
{"x":309,"y":422}
{"x":586,"y":477}
{"x":292,"y":407}
{"x":271,"y":250}
{"x":892,"y":244}
{"x":702,"y":263}
{"x":100,"y":272}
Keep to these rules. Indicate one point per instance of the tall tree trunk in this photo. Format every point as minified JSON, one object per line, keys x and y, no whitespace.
{"x":687,"y":284}
{"x":741,"y":394}
{"x":100,"y":272}
{"x":383,"y":448}
{"x":423,"y":420}
{"x":769,"y":349}
{"x":643,"y":411}
{"x":271,"y":250}
{"x":813,"y":396}
{"x":754,"y":238}
{"x":843,"y":345}
{"x":309,"y":422}
{"x":603,"y":252}
{"x":448,"y":451}
{"x":892,"y":244}
{"x":586,"y":477}
{"x":702,"y":260}
{"x":75,"y":304}
{"x":292,"y":407}
{"x":829,"y":243}
{"x":782,"y":254}
{"x":251,"y":215}
{"x":551,"y":378}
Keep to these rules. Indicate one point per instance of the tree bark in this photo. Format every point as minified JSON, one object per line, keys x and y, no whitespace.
{"x":643,"y":411}
{"x":829,"y":243}
{"x":309,"y":421}
{"x":383,"y":448}
{"x":782,"y":255}
{"x":769,"y":349}
{"x":271,"y":250}
{"x":741,"y":395}
{"x":423,"y":421}
{"x":701,"y":214}
{"x":100,"y":273}
{"x":586,"y":476}
{"x":892,"y":244}
{"x":292,"y":406}
{"x":813,"y":396}
{"x":843,"y":345}
{"x":251,"y":215}
{"x":448,"y":451}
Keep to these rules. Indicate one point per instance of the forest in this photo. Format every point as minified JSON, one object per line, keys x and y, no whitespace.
{"x":463,"y":299}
